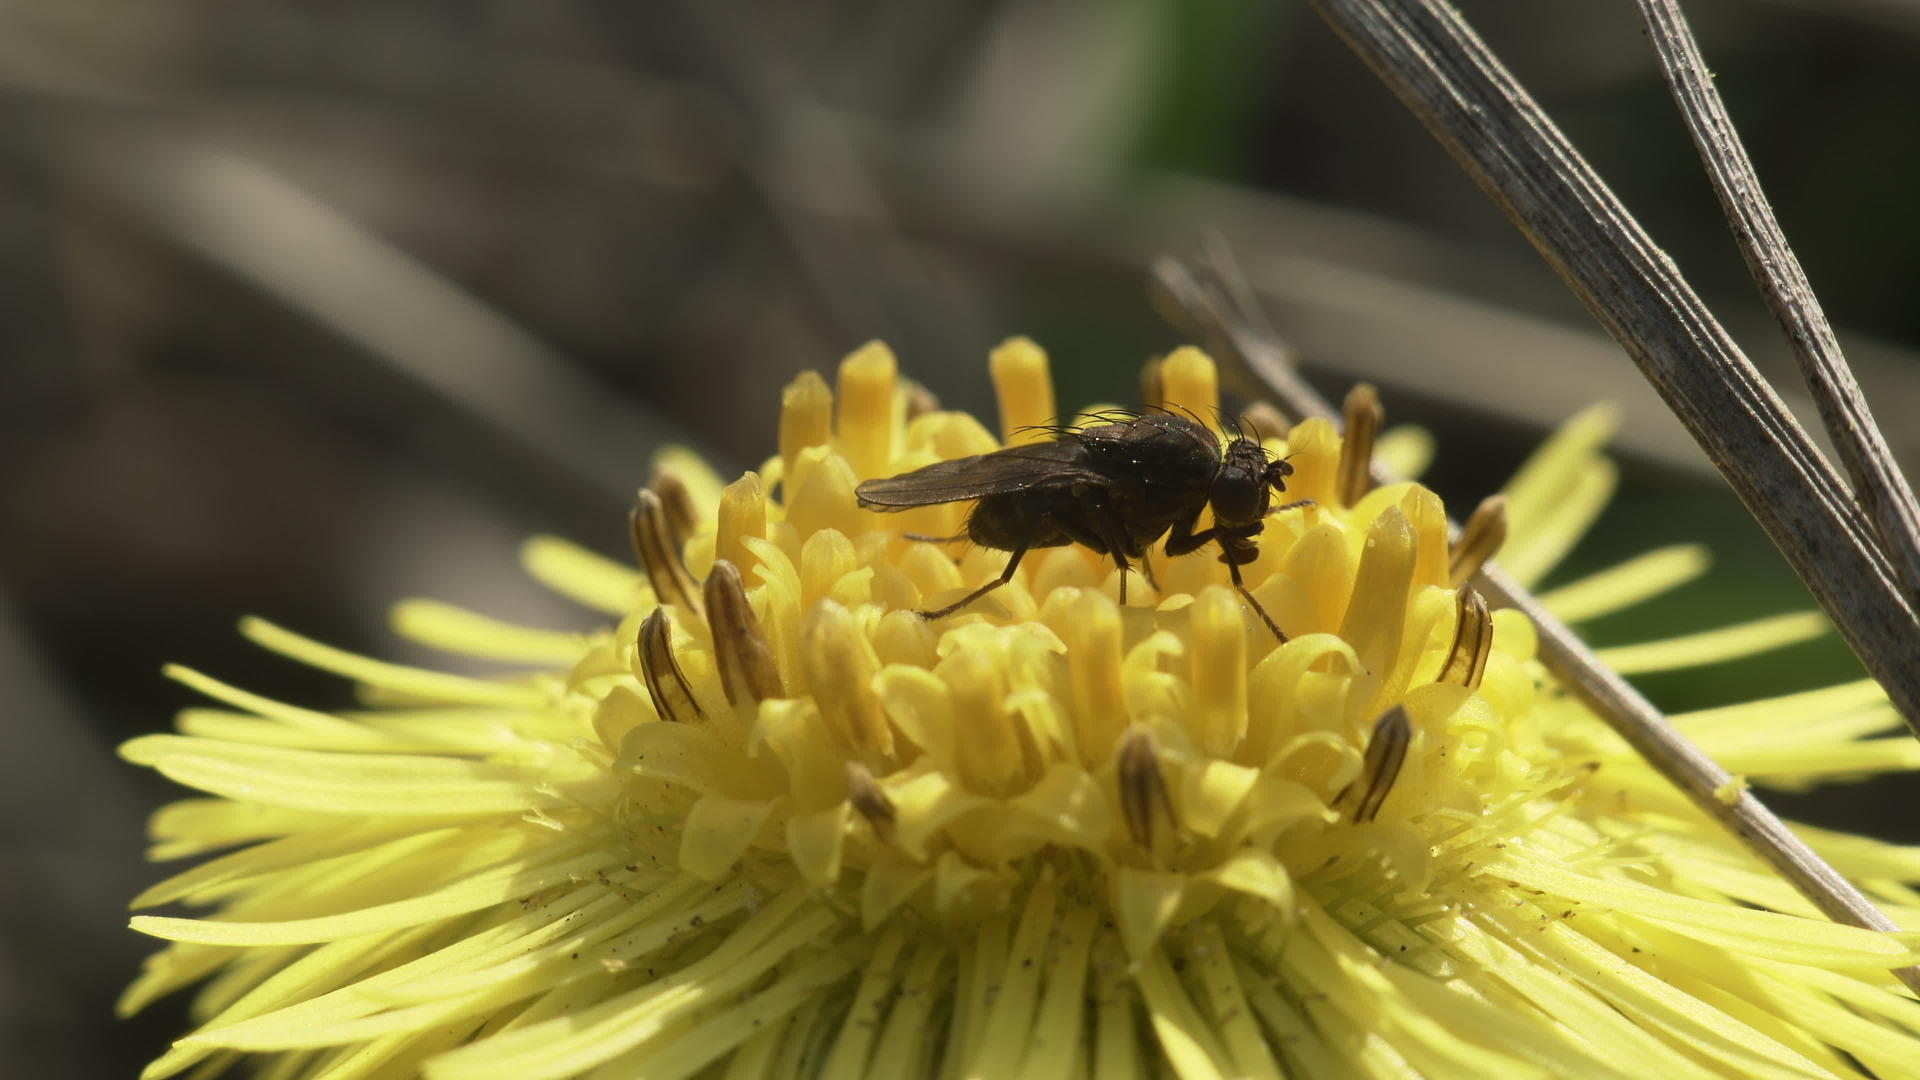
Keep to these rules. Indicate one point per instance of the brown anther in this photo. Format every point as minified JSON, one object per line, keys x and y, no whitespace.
{"x":1264,"y":421}
{"x":1153,"y":388}
{"x":659,"y":556}
{"x":1143,"y":787}
{"x":741,"y":652}
{"x":672,"y":697}
{"x":920,"y":401}
{"x":1360,"y":801}
{"x":1480,"y":539}
{"x":681,"y":515}
{"x":1364,"y":416}
{"x":1472,"y":640}
{"x":870,"y":799}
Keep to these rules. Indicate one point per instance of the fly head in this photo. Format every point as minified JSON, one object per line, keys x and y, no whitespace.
{"x":1241,"y":489}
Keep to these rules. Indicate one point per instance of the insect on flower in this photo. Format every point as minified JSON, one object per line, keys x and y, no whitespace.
{"x":1115,"y":487}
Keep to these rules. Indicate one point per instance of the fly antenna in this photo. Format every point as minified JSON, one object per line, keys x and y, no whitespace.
{"x":1239,"y":429}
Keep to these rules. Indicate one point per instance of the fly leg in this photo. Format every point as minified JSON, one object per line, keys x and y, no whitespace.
{"x":1113,"y":533}
{"x":1236,"y":546}
{"x":1120,"y":559}
{"x":1013,"y":563}
{"x":1183,"y":539}
{"x":1233,"y":570}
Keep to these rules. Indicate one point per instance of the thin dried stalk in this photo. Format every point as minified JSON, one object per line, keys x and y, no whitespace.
{"x":1204,"y":307}
{"x":1877,"y":483}
{"x":1425,"y":52}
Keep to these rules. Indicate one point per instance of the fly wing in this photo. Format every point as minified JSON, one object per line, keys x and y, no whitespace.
{"x":1155,"y":448}
{"x":1018,"y":468}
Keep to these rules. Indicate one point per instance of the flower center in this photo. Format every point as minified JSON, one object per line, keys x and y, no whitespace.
{"x":1171,"y":750}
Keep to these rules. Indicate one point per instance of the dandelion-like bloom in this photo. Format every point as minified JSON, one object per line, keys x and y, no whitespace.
{"x":777,"y":824}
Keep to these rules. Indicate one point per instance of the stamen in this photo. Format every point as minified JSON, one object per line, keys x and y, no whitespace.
{"x":840,"y":666}
{"x":871,"y":800}
{"x":1024,"y":386}
{"x":1360,"y":801}
{"x":672,"y":489}
{"x":1094,"y":635}
{"x":1376,"y":616}
{"x":1219,"y":671}
{"x":1191,"y":382}
{"x":1472,"y":640}
{"x":653,"y":545}
{"x":867,"y":379}
{"x":1153,"y":385}
{"x":1364,"y":415}
{"x":747,"y":668}
{"x":1480,"y":539}
{"x":806,"y":416}
{"x":1264,"y":421}
{"x":819,"y":494}
{"x":743,"y":513}
{"x":1144,"y":800}
{"x":996,"y":754}
{"x":672,"y":697}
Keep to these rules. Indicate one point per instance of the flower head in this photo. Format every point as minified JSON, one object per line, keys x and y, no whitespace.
{"x":775,"y":822}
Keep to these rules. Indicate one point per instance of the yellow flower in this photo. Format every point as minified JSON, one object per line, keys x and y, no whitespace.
{"x":775,"y":823}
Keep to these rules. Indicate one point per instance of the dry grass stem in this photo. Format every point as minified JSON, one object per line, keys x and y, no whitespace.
{"x":1877,"y":481}
{"x":1441,"y":70}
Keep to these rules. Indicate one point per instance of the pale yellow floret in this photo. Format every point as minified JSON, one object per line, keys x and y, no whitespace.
{"x":1713,"y":646}
{"x":1789,"y":716}
{"x":1048,"y":835}
{"x":1798,"y":768}
{"x":309,"y":721}
{"x":1535,"y":490}
{"x":477,"y":891}
{"x":1404,"y":452}
{"x":455,"y":629}
{"x":1537,"y":545}
{"x":579,"y":933}
{"x":362,"y":784}
{"x":585,"y":578}
{"x":1557,"y":494}
{"x":1617,"y":588}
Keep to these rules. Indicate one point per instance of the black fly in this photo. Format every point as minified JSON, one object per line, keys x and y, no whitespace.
{"x":1115,"y":487}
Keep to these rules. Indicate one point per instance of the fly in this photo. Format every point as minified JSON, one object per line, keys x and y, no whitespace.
{"x":1115,"y":487}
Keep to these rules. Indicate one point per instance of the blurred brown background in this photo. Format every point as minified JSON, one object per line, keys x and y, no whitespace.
{"x":310,"y":306}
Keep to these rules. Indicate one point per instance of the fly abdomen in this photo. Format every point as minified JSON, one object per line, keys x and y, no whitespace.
{"x":1016,"y":519}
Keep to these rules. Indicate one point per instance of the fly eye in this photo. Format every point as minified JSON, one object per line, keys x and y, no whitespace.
{"x":1237,"y":495}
